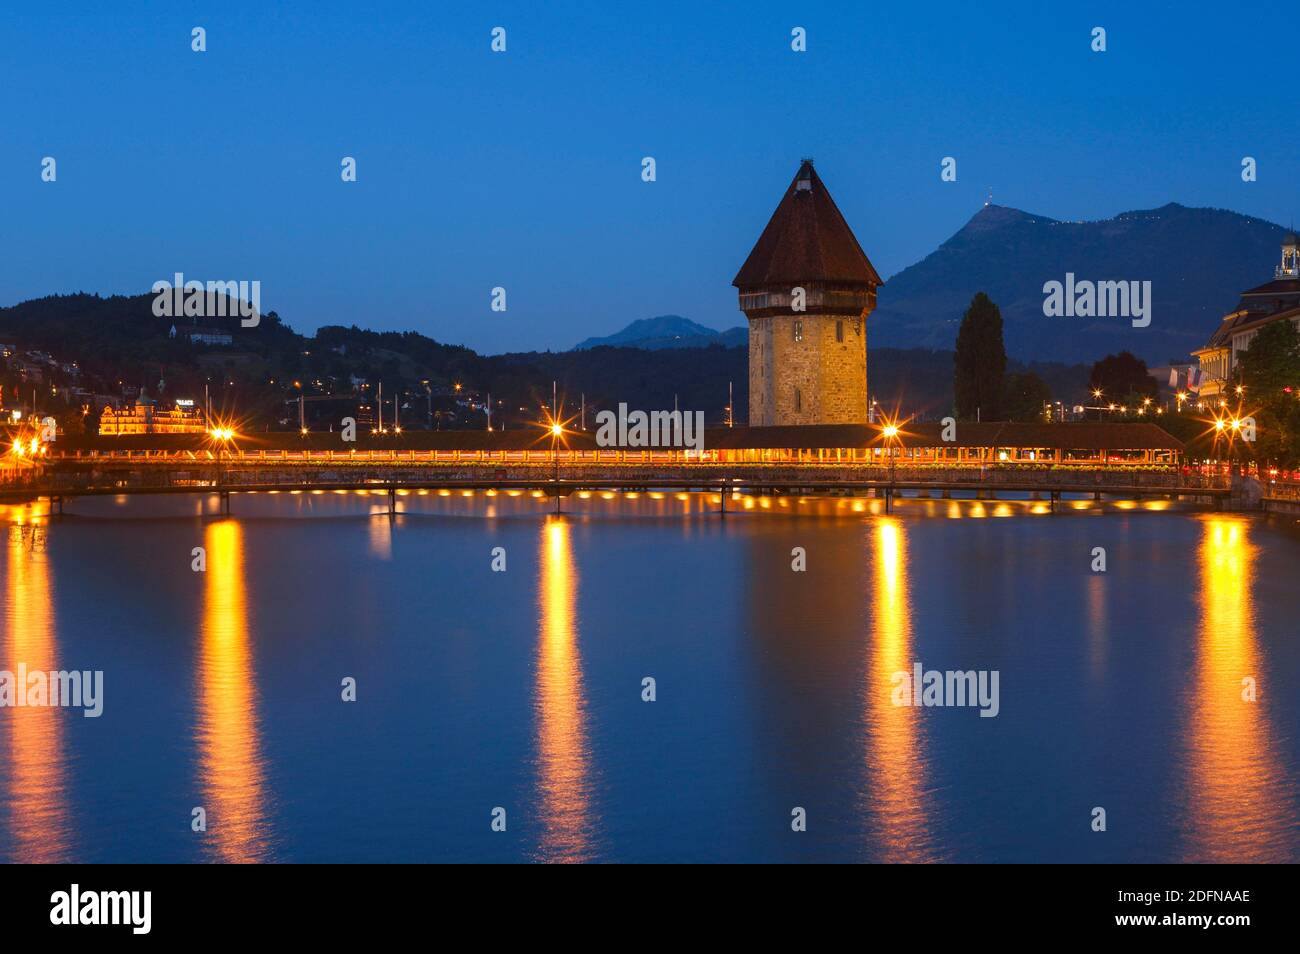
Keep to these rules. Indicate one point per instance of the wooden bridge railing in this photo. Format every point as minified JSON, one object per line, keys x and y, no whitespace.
{"x":69,"y":478}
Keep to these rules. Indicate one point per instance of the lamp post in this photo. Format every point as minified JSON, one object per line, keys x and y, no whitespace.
{"x":557,"y":430}
{"x":891,"y":438}
{"x":222,"y":436}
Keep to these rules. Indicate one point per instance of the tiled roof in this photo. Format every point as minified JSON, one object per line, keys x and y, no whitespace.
{"x":806,"y":240}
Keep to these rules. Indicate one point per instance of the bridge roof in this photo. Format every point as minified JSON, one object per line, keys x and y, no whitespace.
{"x":1089,"y":436}
{"x":1072,"y":436}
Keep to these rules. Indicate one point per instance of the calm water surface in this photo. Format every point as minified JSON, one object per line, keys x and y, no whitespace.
{"x":523,"y":689}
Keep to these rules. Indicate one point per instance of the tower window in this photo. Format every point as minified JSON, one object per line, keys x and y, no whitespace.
{"x":798,"y":330}
{"x":839,"y":331}
{"x":798,"y":400}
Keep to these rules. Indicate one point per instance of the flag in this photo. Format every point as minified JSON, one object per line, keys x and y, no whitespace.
{"x":1194,"y":380}
{"x":1173,"y":377}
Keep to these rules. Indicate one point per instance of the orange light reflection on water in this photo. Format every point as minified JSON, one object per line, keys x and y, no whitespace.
{"x":232,"y":769}
{"x":562,"y":750}
{"x":34,"y":773}
{"x":1236,"y":808}
{"x":895,"y":735}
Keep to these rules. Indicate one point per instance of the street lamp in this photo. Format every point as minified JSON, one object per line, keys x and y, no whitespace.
{"x":222,"y":435}
{"x":890,"y":432}
{"x":557,"y":431}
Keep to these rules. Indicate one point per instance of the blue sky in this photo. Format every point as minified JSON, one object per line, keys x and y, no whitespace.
{"x":522,"y":169}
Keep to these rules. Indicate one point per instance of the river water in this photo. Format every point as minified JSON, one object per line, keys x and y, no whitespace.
{"x":1162,"y":691}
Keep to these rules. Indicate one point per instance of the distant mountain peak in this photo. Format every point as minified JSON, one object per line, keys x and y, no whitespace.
{"x":663,"y":331}
{"x":1198,"y":261}
{"x":992,"y":216}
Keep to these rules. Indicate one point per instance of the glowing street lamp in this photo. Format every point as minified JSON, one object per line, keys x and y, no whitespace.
{"x":890,"y":433}
{"x":223,"y":436}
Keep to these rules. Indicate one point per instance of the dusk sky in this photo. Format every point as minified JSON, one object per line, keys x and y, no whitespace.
{"x":522,"y":169}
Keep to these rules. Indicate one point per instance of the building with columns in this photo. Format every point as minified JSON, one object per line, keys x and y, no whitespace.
{"x":807,"y":288}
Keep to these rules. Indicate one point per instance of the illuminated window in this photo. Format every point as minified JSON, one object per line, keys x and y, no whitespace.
{"x":798,"y":330}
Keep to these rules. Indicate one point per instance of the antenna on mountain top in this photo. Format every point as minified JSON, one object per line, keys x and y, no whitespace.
{"x":989,"y":200}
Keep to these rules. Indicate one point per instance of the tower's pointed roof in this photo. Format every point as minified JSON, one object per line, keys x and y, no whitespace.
{"x":806,"y":240}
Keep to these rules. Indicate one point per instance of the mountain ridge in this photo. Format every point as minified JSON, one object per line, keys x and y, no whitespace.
{"x":1198,"y":260}
{"x":666,"y":331}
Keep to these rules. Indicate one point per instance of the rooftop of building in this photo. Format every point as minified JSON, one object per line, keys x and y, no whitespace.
{"x":806,"y":240}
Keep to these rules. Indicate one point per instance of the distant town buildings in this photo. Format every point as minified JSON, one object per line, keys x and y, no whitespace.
{"x":146,"y":417}
{"x":807,"y":288}
{"x":1278,"y":300}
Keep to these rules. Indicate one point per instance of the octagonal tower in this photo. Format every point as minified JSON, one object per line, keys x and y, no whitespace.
{"x":807,"y":288}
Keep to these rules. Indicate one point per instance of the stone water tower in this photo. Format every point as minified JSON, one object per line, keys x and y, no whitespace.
{"x":807,"y":288}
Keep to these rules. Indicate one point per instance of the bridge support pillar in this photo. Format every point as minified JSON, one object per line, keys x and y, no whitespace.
{"x":223,"y":500}
{"x":1055,"y":501}
{"x":945,"y":494}
{"x":1096,"y":495}
{"x":889,"y":499}
{"x":392,"y":502}
{"x":56,"y":505}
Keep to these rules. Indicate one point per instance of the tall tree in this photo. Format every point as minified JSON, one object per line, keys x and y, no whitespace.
{"x":1024,"y":397}
{"x":1271,"y":361}
{"x":980,"y":364}
{"x":1269,"y":371}
{"x":1123,"y":377}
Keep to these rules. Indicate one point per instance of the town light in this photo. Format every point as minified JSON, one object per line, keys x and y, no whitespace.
{"x":557,"y":429}
{"x":891,"y":430}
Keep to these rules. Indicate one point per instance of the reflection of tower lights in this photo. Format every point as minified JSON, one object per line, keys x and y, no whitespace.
{"x":33,"y":780}
{"x":231,"y":767}
{"x":563,"y":755}
{"x":897,"y":763}
{"x":1235,"y":776}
